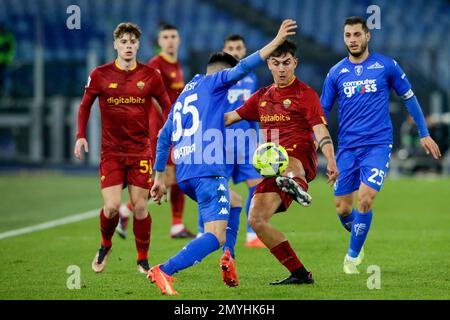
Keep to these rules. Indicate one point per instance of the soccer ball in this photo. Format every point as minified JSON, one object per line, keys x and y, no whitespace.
{"x":270,"y":159}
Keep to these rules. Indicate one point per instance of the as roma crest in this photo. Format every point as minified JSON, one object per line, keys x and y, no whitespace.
{"x":287,"y":103}
{"x":140,"y":85}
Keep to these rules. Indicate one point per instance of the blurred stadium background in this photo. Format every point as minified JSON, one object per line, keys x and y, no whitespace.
{"x":46,"y":78}
{"x":39,"y":101}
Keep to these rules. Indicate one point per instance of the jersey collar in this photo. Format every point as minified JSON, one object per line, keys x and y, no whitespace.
{"x":167,"y":58}
{"x":287,"y":85}
{"x":116,"y":63}
{"x":367,"y":59}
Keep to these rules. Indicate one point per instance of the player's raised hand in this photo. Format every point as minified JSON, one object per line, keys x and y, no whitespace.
{"x":81,"y":143}
{"x":431,"y":147}
{"x":287,"y":28}
{"x":332,"y":172}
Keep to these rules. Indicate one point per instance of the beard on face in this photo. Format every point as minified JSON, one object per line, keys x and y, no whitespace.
{"x":358,"y":53}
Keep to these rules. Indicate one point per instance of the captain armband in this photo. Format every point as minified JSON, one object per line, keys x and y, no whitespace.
{"x":408,"y":95}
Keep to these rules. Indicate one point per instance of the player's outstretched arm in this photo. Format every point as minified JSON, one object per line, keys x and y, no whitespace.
{"x":326,"y":145}
{"x":414,"y":109}
{"x":232,"y":117}
{"x":159,"y":190}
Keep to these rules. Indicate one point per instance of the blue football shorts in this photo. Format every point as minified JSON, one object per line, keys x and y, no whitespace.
{"x":368,"y":165}
{"x":211,"y":194}
{"x":241,"y":172}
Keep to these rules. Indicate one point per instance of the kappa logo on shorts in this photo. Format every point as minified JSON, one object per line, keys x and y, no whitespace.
{"x":223,"y":199}
{"x":223,"y":211}
{"x":221,"y":187}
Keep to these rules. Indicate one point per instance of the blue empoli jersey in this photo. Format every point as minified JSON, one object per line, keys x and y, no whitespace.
{"x":195,"y":125}
{"x":363,"y":98}
{"x":236,"y":97}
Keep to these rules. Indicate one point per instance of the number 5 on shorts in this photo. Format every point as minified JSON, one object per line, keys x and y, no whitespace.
{"x":145,"y":167}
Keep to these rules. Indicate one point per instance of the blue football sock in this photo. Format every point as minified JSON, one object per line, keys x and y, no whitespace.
{"x":360,"y":229}
{"x":192,"y":253}
{"x":247,"y":207}
{"x":348,"y":220}
{"x":232,"y":230}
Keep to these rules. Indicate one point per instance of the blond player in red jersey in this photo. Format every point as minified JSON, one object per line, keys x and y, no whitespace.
{"x":124,"y":88}
{"x":293,"y":109}
{"x":166,"y":62}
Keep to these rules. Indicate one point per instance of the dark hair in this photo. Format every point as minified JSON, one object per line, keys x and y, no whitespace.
{"x":222,"y":58}
{"x":234,"y":37}
{"x":351,"y":21}
{"x":285,"y":48}
{"x":167,"y":26}
{"x":127,"y":27}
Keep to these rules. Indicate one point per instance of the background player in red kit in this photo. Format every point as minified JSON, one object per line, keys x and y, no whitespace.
{"x":125,"y":88}
{"x":293,"y":109}
{"x":170,"y":68}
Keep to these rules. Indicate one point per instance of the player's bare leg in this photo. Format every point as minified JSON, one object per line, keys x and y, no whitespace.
{"x":293,"y":181}
{"x":177,"y":198}
{"x":108,"y":221}
{"x":142,"y":222}
{"x":228,"y":261}
{"x":264,"y":206}
{"x":252,"y":240}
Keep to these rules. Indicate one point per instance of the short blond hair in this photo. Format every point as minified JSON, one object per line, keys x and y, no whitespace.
{"x":127,"y":27}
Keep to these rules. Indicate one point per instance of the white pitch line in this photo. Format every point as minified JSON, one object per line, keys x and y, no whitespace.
{"x":50,"y":224}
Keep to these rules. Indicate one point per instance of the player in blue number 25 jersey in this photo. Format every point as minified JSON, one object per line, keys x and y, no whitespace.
{"x":362,"y":84}
{"x":196,"y":128}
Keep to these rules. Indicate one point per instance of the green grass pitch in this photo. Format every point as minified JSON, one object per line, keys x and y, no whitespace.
{"x":409,"y":241}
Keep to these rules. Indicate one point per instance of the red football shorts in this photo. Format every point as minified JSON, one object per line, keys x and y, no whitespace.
{"x":309,"y":162}
{"x":118,"y":170}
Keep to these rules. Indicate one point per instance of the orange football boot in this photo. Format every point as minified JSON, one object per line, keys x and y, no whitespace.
{"x":162,"y":280}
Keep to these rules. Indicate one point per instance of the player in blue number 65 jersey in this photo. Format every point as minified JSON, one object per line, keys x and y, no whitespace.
{"x":196,"y":128}
{"x":362,"y":84}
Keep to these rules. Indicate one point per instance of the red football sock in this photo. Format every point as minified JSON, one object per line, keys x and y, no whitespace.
{"x":142,"y":231}
{"x":107,"y":227}
{"x":284,"y":253}
{"x":302,"y":183}
{"x":129,"y":206}
{"x":177,"y":204}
